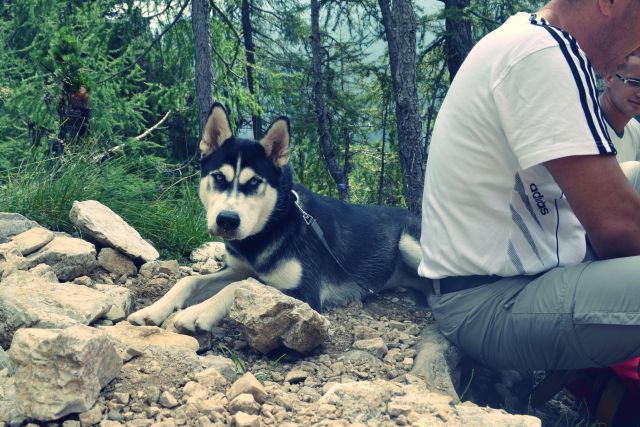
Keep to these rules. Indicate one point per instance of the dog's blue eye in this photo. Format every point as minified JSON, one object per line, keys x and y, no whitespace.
{"x":218,"y":177}
{"x":254,"y":182}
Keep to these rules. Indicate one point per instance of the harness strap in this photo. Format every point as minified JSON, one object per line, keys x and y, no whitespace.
{"x":317,"y":230}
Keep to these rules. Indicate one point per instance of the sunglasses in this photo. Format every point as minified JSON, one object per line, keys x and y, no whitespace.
{"x":634,"y":83}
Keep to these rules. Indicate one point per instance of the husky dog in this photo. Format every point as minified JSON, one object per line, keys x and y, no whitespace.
{"x":314,"y":248}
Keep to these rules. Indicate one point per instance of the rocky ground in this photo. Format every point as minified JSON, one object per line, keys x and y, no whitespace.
{"x":383,"y":362}
{"x":297,"y":385}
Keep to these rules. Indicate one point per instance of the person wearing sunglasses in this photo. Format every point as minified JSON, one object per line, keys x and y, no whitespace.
{"x":620,"y":103}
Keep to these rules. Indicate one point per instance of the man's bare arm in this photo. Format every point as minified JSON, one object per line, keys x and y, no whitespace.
{"x":603,"y":200}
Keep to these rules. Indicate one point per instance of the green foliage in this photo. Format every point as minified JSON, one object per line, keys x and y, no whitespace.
{"x":164,"y":208}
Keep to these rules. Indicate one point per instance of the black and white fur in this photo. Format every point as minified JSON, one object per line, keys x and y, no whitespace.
{"x":246,"y":188}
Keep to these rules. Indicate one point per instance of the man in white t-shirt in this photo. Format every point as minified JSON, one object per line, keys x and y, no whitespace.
{"x":620,"y":103}
{"x":521,"y":171}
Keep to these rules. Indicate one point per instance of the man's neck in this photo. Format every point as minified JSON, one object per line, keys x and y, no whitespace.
{"x":617,"y":119}
{"x":576,"y":19}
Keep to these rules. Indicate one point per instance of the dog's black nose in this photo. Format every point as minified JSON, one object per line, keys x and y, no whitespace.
{"x":228,"y":220}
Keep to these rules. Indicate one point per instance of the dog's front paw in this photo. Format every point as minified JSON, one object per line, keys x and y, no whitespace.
{"x":197,"y":318}
{"x":153,"y":315}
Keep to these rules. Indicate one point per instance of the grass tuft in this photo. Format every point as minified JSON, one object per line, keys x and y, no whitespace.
{"x":162,"y":207}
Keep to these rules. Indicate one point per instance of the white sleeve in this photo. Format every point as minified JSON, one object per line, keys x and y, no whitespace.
{"x":548,"y":108}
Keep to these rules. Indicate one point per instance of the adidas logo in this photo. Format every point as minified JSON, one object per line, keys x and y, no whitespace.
{"x":539,"y":199}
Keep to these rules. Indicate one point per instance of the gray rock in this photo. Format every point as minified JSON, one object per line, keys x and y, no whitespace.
{"x":115,"y":262}
{"x":223,"y":365}
{"x":5,"y":362}
{"x":244,"y":403}
{"x":69,"y":257}
{"x":296,"y":376}
{"x":33,"y":239}
{"x":209,"y":250}
{"x":9,"y":412}
{"x":11,"y":259}
{"x":167,"y":400}
{"x":28,"y":301}
{"x":242,"y":419}
{"x":45,"y":272}
{"x":12,"y":224}
{"x":121,"y":300}
{"x":91,"y":417}
{"x":149,"y":338}
{"x":247,"y":384}
{"x":379,"y":400}
{"x":375,"y":346}
{"x":270,"y":319}
{"x":212,"y":379}
{"x":61,"y":371}
{"x":438,"y":362}
{"x":153,"y":268}
{"x":108,"y":228}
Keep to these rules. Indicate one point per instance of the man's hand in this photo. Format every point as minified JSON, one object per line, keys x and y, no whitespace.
{"x":603,"y":200}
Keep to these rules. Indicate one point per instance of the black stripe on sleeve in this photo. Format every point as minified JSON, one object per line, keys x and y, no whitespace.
{"x":580,"y":85}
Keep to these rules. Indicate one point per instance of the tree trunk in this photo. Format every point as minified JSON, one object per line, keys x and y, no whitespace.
{"x":385,"y":116}
{"x":399,"y":23}
{"x":200,"y":22}
{"x":326,"y":145}
{"x":458,"y":41}
{"x":249,"y":50}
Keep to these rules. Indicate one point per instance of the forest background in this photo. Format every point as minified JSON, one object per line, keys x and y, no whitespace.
{"x":105,"y":99}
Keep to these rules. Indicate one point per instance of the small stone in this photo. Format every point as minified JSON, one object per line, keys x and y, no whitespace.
{"x":110,"y":423}
{"x":116,"y":262}
{"x":296,"y":376}
{"x":244,"y":403}
{"x":122,"y":397}
{"x":375,"y":346}
{"x":71,"y":423}
{"x":247,"y":384}
{"x":114,"y":415}
{"x":167,"y":400}
{"x":83,"y":280}
{"x":204,"y":421}
{"x":91,"y":417}
{"x":245,"y":420}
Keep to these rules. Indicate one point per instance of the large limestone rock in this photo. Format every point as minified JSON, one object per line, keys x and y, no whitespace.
{"x":108,"y":228}
{"x":145,"y":338}
{"x":385,"y":402}
{"x":27,"y":300}
{"x":61,"y":371}
{"x":32,"y":239}
{"x":270,"y":319}
{"x":12,"y":224}
{"x":69,"y":257}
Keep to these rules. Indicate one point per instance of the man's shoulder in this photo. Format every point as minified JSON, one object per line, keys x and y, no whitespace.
{"x":520,"y":37}
{"x":633,"y":129}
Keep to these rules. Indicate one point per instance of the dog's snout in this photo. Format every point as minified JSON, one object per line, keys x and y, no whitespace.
{"x":228,"y":220}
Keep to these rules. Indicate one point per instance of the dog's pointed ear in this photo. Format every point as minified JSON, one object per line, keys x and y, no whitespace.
{"x":276,"y":141}
{"x":216,"y":131}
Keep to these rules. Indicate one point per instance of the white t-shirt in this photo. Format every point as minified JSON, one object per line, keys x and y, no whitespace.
{"x":628,"y":144}
{"x":490,"y":206}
